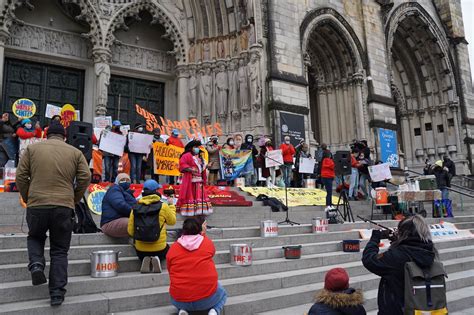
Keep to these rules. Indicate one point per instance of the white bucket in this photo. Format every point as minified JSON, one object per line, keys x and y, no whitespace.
{"x":240,"y":254}
{"x":310,"y":183}
{"x":239,"y":182}
{"x":320,"y":225}
{"x":104,"y":263}
{"x":268,"y":228}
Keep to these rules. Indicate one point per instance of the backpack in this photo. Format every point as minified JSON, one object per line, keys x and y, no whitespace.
{"x":83,"y":221}
{"x":146,"y":225}
{"x":425,"y":289}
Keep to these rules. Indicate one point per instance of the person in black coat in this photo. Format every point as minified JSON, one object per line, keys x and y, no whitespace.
{"x":250,"y":179}
{"x":443,"y":178}
{"x":337,"y":298}
{"x":412,"y":243}
{"x":449,"y":164}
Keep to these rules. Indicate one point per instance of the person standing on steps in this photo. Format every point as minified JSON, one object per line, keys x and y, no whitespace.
{"x":52,"y":177}
{"x":327,"y":177}
{"x":288,"y":151}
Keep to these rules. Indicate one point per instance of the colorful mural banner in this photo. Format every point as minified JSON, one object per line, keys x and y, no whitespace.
{"x":235,"y":163}
{"x":24,"y":108}
{"x":191,"y":128}
{"x":388,"y":147}
{"x":296,"y":196}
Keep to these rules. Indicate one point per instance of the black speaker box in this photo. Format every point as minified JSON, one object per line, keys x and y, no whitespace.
{"x":79,"y":135}
{"x":342,"y":161}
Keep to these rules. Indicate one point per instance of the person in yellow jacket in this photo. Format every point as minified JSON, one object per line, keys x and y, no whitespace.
{"x":147,"y":227}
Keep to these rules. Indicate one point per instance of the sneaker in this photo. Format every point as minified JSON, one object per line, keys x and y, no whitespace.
{"x":57,"y":300}
{"x":183,"y":312}
{"x":146,"y":265}
{"x":37,"y":274}
{"x":212,"y":312}
{"x":327,"y":208}
{"x":156,"y":265}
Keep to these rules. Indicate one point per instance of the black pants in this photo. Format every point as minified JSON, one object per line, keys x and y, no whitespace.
{"x":59,"y":222}
{"x":161,"y":254}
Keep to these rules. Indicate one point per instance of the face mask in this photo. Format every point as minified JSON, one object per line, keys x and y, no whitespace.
{"x":125,"y":185}
{"x":238,"y":142}
{"x":287,"y":141}
{"x":249,"y":140}
{"x":28,"y":126}
{"x":140,"y":129}
{"x":231,"y":142}
{"x":215,"y":141}
{"x":174,"y":135}
{"x":196,"y":151}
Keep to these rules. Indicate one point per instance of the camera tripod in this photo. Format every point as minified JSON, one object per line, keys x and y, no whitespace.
{"x":347,"y":214}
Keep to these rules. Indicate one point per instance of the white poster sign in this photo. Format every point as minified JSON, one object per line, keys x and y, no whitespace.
{"x":380,"y":172}
{"x":139,"y":142}
{"x":52,"y":110}
{"x":24,"y":143}
{"x":273,"y":158}
{"x":113,"y":143}
{"x":125,"y":129}
{"x":102,"y":121}
{"x":307,"y":165}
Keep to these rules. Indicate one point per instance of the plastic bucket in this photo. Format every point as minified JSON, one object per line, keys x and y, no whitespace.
{"x":309,"y":183}
{"x":268,"y":228}
{"x":320,"y":225}
{"x":240,"y":254}
{"x":292,"y":251}
{"x":351,"y":246}
{"x":381,"y":195}
{"x":104,"y":263}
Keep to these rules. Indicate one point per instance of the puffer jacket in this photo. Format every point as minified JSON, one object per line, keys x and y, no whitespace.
{"x":347,"y":302}
{"x":117,"y":203}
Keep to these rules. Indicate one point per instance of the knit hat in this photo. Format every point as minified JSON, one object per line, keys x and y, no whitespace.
{"x":25,"y":121}
{"x":151,"y":184}
{"x":120,"y":177}
{"x":56,"y":128}
{"x":336,"y":279}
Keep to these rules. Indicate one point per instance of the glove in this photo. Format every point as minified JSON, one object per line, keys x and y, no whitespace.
{"x":381,"y":234}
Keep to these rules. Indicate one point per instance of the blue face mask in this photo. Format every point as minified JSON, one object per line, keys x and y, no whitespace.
{"x":125,"y":185}
{"x":196,"y":151}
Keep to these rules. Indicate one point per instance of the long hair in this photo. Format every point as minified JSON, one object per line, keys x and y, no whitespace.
{"x":414,"y":226}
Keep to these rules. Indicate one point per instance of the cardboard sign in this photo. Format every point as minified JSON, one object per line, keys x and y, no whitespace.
{"x":273,"y":158}
{"x":166,"y":159}
{"x":52,"y":110}
{"x":112,"y":143}
{"x":125,"y":129}
{"x":68,"y":115}
{"x":24,"y":143}
{"x":102,"y":121}
{"x":307,"y":165}
{"x":24,"y":108}
{"x":139,"y":142}
{"x":380,"y":172}
{"x":94,"y":201}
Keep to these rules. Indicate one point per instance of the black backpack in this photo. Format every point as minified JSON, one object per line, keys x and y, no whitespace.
{"x":146,"y":225}
{"x":83,"y":221}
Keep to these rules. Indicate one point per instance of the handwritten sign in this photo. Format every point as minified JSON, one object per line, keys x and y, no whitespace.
{"x":102,"y":121}
{"x":24,"y":143}
{"x":307,"y":165}
{"x":166,"y":159}
{"x":52,"y":110}
{"x":94,"y":201}
{"x":112,"y":143}
{"x":24,"y":108}
{"x":139,"y":142}
{"x":273,"y":158}
{"x":68,"y":115}
{"x":380,"y":172}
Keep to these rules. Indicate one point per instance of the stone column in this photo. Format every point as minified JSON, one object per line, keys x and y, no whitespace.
{"x":410,"y":116}
{"x":444,"y":119}
{"x":4,"y":35}
{"x":347,"y":112}
{"x":332,"y":112}
{"x":432,"y":112}
{"x":102,"y":72}
{"x":358,"y":78}
{"x":407,"y":143}
{"x":182,"y":75}
{"x":454,"y":109}
{"x":341,"y":113}
{"x":323,"y":114}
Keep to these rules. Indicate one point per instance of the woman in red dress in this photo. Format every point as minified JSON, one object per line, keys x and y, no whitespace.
{"x":193,"y":200}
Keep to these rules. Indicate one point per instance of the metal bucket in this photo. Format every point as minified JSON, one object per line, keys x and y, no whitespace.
{"x":320,"y":225}
{"x":104,"y":263}
{"x":309,"y":183}
{"x":268,"y":228}
{"x":240,"y":254}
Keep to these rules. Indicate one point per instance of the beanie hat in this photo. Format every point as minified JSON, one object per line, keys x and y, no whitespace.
{"x":151,"y":184}
{"x":336,"y":279}
{"x":439,"y":163}
{"x":56,"y":128}
{"x":120,"y":177}
{"x":25,"y":121}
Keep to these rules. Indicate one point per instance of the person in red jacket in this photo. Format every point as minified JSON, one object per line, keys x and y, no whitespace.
{"x":354,"y":186}
{"x":192,"y":272}
{"x":26,"y":131}
{"x":288,"y":151}
{"x":176,"y":141}
{"x":327,"y":177}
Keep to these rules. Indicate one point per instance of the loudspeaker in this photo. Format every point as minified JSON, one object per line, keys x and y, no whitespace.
{"x":342,"y":161}
{"x":79,"y":135}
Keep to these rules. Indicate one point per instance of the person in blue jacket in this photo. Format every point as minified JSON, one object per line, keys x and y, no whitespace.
{"x":116,"y":207}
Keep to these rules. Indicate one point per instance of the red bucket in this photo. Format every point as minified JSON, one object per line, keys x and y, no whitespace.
{"x":292,"y":251}
{"x":351,"y":246}
{"x":381,"y":195}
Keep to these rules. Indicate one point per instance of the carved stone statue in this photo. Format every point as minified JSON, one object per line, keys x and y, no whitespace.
{"x":255,"y":88}
{"x":102,"y":71}
{"x":205,"y":93}
{"x":244,"y":40}
{"x":234,"y":46}
{"x":252,"y":38}
{"x":206,"y":50}
{"x":220,"y":49}
{"x":243,"y":86}
{"x":192,"y":96}
{"x":233,"y":95}
{"x":192,"y":53}
{"x":222,"y":86}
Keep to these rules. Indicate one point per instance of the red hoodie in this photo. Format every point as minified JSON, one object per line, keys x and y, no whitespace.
{"x":23,"y":134}
{"x":327,"y":168}
{"x":175,"y":141}
{"x":288,"y":151}
{"x":193,"y":274}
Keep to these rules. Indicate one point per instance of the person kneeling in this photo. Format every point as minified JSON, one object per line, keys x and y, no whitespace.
{"x":336,"y":297}
{"x":147,"y":227}
{"x":193,"y":274}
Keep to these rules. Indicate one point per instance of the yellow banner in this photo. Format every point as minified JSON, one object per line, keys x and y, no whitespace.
{"x":167,"y":158}
{"x":296,"y":196}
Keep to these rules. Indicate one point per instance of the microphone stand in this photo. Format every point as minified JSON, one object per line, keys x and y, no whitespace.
{"x":287,"y":218}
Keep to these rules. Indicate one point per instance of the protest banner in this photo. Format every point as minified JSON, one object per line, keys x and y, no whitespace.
{"x":102,"y":121}
{"x":24,"y":108}
{"x":235,"y":163}
{"x":24,"y":143}
{"x":273,"y":158}
{"x":380,"y":172}
{"x":68,"y":115}
{"x":113,"y":143}
{"x":139,"y":142}
{"x":296,"y":196}
{"x":52,"y":110}
{"x":166,"y":159}
{"x":307,"y":165}
{"x":191,"y":128}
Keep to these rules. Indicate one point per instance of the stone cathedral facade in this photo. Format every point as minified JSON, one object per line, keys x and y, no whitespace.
{"x":346,"y":68}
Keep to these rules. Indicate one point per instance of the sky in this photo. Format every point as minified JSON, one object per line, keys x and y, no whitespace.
{"x":468,"y":17}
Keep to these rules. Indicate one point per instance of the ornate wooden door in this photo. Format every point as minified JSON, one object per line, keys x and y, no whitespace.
{"x":125,"y":92}
{"x":43,"y":84}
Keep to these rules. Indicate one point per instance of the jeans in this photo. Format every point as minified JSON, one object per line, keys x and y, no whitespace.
{"x":363,"y":178}
{"x":286,"y":170}
{"x":327,"y":182}
{"x":444,"y":193}
{"x":136,"y":160}
{"x":111,"y":168}
{"x":59,"y":223}
{"x":251,"y":178}
{"x":215,"y":301}
{"x":3,"y":157}
{"x":354,"y":186}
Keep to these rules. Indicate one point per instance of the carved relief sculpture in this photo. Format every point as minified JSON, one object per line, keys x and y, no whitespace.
{"x":192,"y":53}
{"x":252,"y":38}
{"x":255,"y":88}
{"x":222,"y":86}
{"x":102,"y":71}
{"x":205,"y":94}
{"x":192,"y":96}
{"x":206,"y":50}
{"x":233,"y":96}
{"x":220,"y":49}
{"x":234,"y":46}
{"x":243,"y":86}
{"x":244,"y":39}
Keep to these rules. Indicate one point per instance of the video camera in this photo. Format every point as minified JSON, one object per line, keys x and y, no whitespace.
{"x":356,"y":144}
